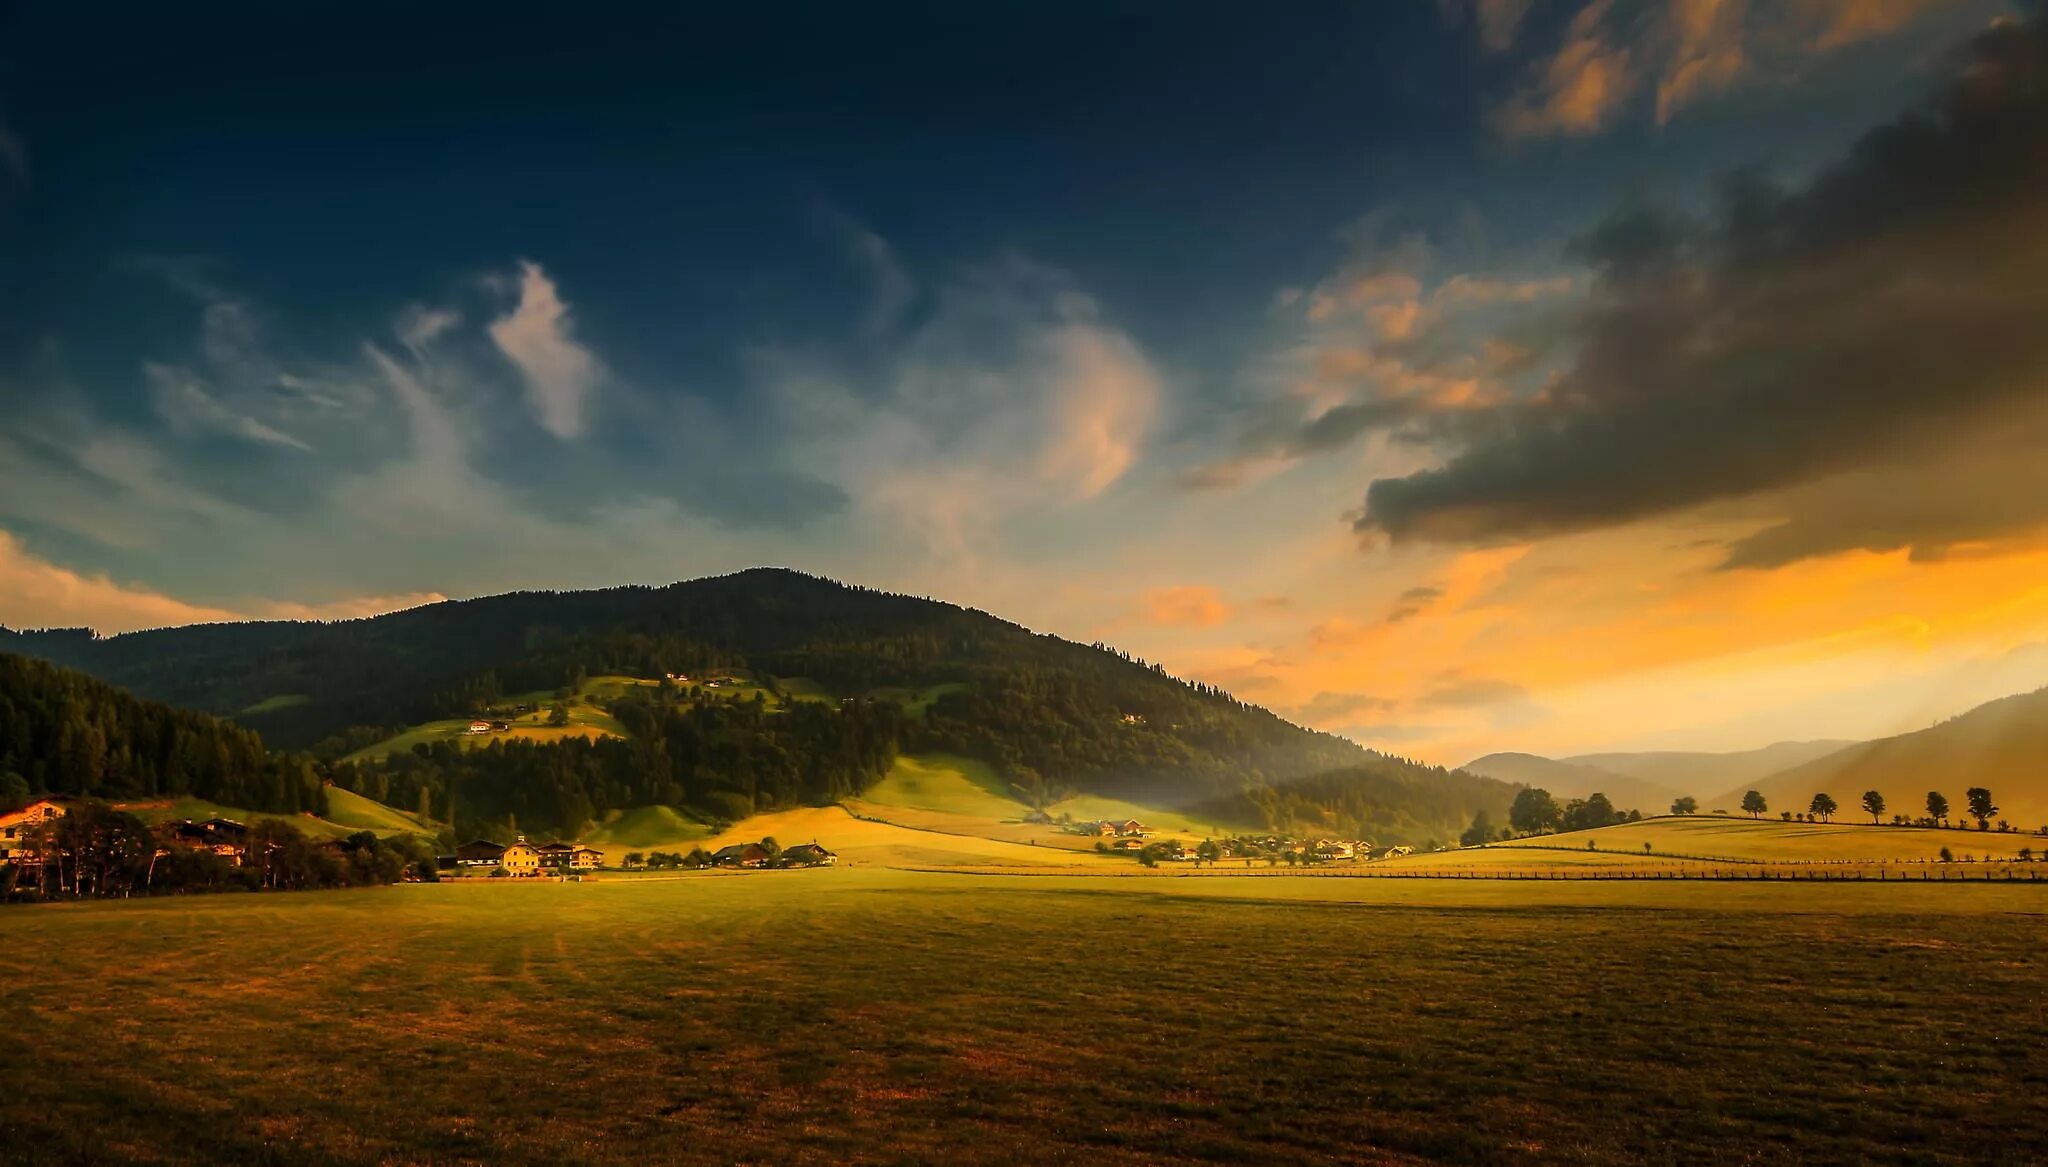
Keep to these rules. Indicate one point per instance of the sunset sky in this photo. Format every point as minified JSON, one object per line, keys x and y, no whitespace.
{"x":1456,"y":376}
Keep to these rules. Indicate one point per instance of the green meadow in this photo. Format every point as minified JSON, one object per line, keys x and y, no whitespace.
{"x":871,"y":1015}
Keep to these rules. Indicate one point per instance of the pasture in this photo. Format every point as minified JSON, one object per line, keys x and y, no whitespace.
{"x":1775,"y":841}
{"x":867,"y":1015}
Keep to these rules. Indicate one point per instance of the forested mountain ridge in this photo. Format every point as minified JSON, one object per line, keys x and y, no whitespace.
{"x":1049,"y":713}
{"x":62,"y":732}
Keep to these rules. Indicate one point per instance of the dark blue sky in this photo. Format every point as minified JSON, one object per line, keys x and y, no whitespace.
{"x":1043,"y":307}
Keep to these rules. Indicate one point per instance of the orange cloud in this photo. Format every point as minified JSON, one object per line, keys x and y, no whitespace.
{"x":35,"y":593}
{"x":1184,"y":607}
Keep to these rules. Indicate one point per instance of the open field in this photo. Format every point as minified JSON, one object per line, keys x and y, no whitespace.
{"x":1774,"y":841}
{"x":865,"y":842}
{"x":872,"y":1016}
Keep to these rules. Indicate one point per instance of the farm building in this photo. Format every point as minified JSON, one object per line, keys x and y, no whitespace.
{"x":740,"y":855}
{"x":583,"y":858}
{"x":479,"y":853}
{"x":809,"y":855}
{"x":479,"y":727}
{"x":555,"y":855}
{"x":521,"y":858}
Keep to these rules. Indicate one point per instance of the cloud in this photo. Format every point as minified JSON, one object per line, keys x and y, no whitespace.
{"x":560,"y":374}
{"x":1184,"y":607}
{"x":1384,"y":345}
{"x":1877,"y":317}
{"x":1414,"y":602}
{"x":35,"y":593}
{"x":892,"y":288}
{"x":1326,"y":707}
{"x":1684,"y":51}
{"x":1011,"y":398}
{"x":183,"y":402}
{"x":1578,"y":89}
{"x":1458,"y":692}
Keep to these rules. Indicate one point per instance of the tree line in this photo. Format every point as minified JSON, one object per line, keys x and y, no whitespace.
{"x":97,"y":852}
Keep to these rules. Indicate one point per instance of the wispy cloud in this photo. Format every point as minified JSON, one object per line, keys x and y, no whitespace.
{"x":1678,"y":51}
{"x":560,"y":373}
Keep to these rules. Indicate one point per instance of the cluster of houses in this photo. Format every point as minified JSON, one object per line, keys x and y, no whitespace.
{"x":523,"y":859}
{"x":481,"y":726}
{"x":224,"y":838}
{"x":755,"y":855}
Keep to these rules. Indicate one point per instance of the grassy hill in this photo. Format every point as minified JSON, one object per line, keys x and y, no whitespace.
{"x":2002,"y":745}
{"x":346,"y":814}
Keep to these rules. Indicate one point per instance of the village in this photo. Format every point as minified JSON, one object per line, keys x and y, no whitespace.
{"x":1131,"y":837}
{"x":31,"y":838}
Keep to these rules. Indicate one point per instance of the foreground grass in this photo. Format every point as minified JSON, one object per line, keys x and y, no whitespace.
{"x":873,"y":1016}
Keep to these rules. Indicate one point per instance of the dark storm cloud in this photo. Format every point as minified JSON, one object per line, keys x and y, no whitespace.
{"x":1887,"y":311}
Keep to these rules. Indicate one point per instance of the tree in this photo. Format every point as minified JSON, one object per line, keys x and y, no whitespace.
{"x":1873,"y":805}
{"x":1822,"y":807}
{"x":1586,"y":814}
{"x":635,"y":859}
{"x":1981,"y":809}
{"x":559,"y":714}
{"x":1754,"y":803}
{"x":13,"y":791}
{"x":1937,"y":807}
{"x":1479,"y":832}
{"x":1534,"y":810}
{"x":1686,"y":805}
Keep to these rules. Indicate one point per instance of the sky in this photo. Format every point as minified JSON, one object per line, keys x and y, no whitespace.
{"x":1455,"y":375}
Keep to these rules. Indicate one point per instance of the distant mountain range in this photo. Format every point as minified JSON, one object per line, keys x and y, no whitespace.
{"x":1649,"y":781}
{"x":2001,"y":745}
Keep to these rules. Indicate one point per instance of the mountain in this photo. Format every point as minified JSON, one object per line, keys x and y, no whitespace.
{"x":2002,"y":745}
{"x":1048,"y":714}
{"x":1574,"y":779}
{"x":1698,"y":774}
{"x":62,"y":732}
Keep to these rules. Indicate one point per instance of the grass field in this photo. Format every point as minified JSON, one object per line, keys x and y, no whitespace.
{"x":1774,"y":841}
{"x":281,"y":701}
{"x":860,"y":1015}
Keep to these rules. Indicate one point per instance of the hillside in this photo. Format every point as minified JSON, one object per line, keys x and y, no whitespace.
{"x":62,"y":732}
{"x":1701,"y":774}
{"x":1565,"y":779}
{"x":833,"y":683}
{"x":2002,"y":745}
